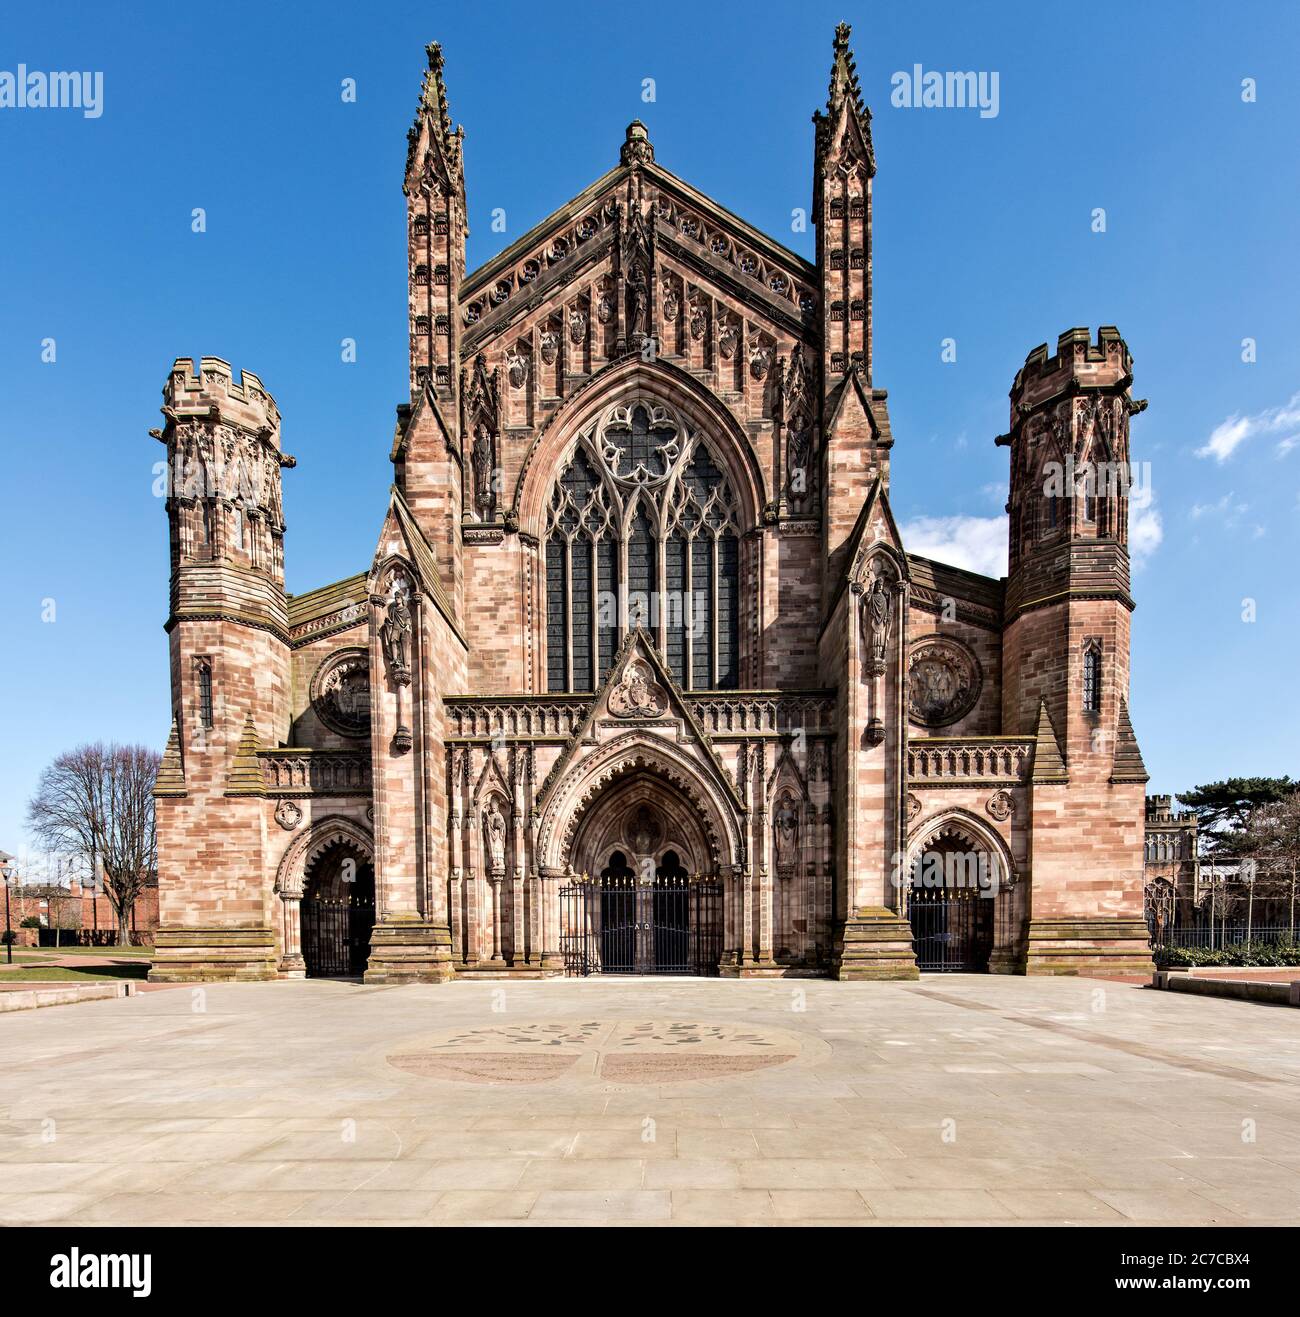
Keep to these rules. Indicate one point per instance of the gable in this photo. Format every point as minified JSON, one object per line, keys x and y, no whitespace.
{"x":578,"y":242}
{"x":639,"y":693}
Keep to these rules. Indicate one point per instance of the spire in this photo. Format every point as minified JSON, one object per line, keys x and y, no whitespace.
{"x":1048,"y":764}
{"x":171,"y":773}
{"x":246,"y":773}
{"x":434,"y":92}
{"x":1127,"y":765}
{"x":442,"y":145}
{"x":844,"y":101}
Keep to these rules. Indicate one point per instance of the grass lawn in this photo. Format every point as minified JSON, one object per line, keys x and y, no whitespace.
{"x":37,"y":955}
{"x":82,"y":974}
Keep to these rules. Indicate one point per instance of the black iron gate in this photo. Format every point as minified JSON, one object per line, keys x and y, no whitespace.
{"x":617,"y":925}
{"x":336,"y":934}
{"x":952,"y":928}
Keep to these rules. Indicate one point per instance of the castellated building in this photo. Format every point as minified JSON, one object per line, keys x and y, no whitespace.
{"x":641,"y":677}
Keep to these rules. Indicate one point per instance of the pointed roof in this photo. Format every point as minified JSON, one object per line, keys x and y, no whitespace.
{"x":171,"y":772}
{"x":1049,"y":766}
{"x":844,"y":106}
{"x":408,"y":421}
{"x":419,"y":553}
{"x":638,"y":640}
{"x":876,"y":514}
{"x":245,"y":777}
{"x":611,"y":184}
{"x":1127,"y":765}
{"x":852,"y":387}
{"x":432,"y":113}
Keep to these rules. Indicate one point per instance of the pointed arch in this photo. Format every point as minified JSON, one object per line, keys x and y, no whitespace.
{"x":321,"y":835}
{"x":960,"y":823}
{"x":625,"y":379}
{"x":638,"y":752}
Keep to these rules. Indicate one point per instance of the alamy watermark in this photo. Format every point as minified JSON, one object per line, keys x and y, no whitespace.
{"x":954,"y":90}
{"x":37,"y":90}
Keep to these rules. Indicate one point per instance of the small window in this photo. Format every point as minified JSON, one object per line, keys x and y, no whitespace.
{"x":203,"y":668}
{"x":1092,"y":678}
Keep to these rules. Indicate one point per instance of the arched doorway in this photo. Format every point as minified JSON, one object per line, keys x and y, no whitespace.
{"x":952,"y":892}
{"x":337,"y":911}
{"x":643,"y":901}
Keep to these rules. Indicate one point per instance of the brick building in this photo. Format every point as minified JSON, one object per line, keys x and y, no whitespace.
{"x":81,"y":913}
{"x":640,"y":614}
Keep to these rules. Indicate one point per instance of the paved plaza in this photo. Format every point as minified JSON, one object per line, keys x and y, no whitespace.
{"x":957,"y":1099}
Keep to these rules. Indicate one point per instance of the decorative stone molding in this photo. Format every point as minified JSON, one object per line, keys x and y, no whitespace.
{"x":937,"y":761}
{"x":300,"y":772}
{"x":304,"y":849}
{"x":340,"y":691}
{"x":288,"y":815}
{"x":1000,"y":805}
{"x":943,"y":681}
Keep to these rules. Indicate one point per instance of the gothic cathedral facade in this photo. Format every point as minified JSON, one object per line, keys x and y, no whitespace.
{"x":642,"y":676}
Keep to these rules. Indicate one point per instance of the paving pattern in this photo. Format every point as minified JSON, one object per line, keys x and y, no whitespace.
{"x":956,"y":1099}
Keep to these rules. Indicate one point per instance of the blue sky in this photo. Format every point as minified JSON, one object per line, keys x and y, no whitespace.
{"x":983,"y":234}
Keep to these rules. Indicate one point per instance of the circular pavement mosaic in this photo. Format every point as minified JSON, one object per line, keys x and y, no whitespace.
{"x":619,"y":1052}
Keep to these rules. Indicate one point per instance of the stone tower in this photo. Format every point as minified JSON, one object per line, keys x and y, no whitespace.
{"x":430,"y":464}
{"x":1066,"y":650}
{"x":854,"y":423}
{"x":228,"y":629}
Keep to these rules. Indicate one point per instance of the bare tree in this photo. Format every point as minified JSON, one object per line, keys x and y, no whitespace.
{"x":1274,"y":833}
{"x":96,"y":803}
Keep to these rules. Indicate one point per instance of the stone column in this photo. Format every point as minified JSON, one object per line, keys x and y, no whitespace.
{"x":292,"y":965}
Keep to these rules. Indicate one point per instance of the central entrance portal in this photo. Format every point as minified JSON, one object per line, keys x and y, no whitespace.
{"x":621,"y":922}
{"x":639,"y":904}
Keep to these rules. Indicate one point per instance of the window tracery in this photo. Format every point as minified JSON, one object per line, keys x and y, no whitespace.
{"x":643,"y":528}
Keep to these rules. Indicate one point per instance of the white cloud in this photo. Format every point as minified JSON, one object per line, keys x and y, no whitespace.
{"x":979,"y":544}
{"x":1145,"y":532}
{"x":1228,"y":510}
{"x":1229,"y":435}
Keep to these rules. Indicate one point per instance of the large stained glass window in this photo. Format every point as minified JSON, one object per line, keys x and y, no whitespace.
{"x":643,"y":529}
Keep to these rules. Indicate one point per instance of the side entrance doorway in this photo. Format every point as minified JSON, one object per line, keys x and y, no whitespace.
{"x":338,"y":913}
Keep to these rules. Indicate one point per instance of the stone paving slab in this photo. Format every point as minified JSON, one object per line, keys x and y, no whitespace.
{"x":957,"y":1099}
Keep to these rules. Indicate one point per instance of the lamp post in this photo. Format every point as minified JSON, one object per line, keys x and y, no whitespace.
{"x":6,"y":869}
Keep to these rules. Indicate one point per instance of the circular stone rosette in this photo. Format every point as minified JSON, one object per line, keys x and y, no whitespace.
{"x":340,"y":692}
{"x":943,"y":681}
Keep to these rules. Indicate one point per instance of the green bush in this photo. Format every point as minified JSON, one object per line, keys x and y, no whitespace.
{"x":32,"y":921}
{"x":1284,"y":952}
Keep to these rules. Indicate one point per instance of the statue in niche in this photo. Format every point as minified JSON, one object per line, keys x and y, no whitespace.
{"x":494,"y":832}
{"x":395,"y":636}
{"x":786,"y":830}
{"x":637,"y":299}
{"x":481,"y":458}
{"x":875,"y":610}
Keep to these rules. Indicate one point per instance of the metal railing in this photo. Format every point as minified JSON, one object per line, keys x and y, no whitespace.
{"x":1220,"y":935}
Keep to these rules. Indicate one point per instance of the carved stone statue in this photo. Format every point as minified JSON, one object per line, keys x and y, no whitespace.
{"x":484,"y":496}
{"x":875,"y":613}
{"x":494,"y":833}
{"x":637,"y":300}
{"x":395,"y":637}
{"x":786,"y":829}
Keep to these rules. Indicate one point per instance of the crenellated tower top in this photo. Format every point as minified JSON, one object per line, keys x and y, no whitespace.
{"x":1071,"y":474}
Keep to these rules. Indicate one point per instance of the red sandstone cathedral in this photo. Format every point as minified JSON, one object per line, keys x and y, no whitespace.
{"x":641,"y":677}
